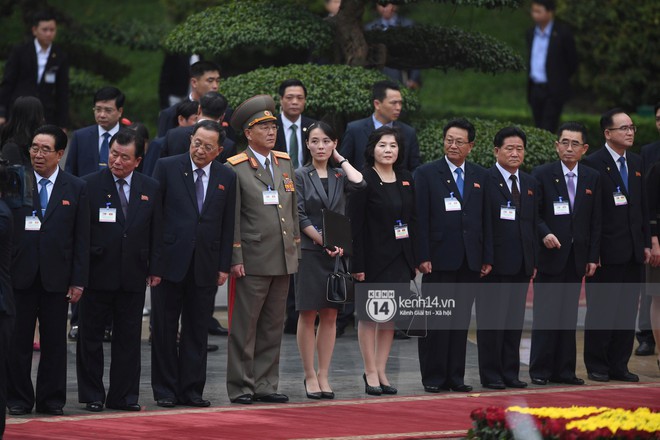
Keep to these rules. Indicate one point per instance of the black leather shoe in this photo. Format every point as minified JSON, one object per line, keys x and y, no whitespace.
{"x":244,"y":399}
{"x":73,"y":333}
{"x":127,"y":407}
{"x":572,"y":381}
{"x":626,"y":377}
{"x":372,"y":391}
{"x":212,"y":347}
{"x":51,"y":411}
{"x":218,"y":331}
{"x":539,"y":381}
{"x":199,"y":403}
{"x":94,"y":406}
{"x":461,"y":388}
{"x":317,"y":395}
{"x":388,"y":389}
{"x":645,"y":349}
{"x":432,"y":388}
{"x":18,"y":411}
{"x":327,"y":394}
{"x":516,"y":384}
{"x":494,"y":385}
{"x":273,"y":398}
{"x":166,"y":403}
{"x":599,"y":377}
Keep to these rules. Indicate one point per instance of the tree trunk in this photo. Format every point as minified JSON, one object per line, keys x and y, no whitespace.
{"x":349,"y":34}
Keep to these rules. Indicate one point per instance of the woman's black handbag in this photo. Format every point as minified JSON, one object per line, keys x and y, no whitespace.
{"x":340,"y":286}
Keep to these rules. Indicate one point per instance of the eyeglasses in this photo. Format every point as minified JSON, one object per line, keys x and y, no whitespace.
{"x":196,"y":143}
{"x":459,"y":143}
{"x":574,"y":144}
{"x":106,"y":110}
{"x":34,"y":149}
{"x":625,"y":128}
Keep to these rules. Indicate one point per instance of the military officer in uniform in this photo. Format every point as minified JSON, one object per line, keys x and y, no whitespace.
{"x":266,"y":252}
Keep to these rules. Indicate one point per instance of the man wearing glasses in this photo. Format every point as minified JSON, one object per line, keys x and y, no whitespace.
{"x":198,"y":199}
{"x":625,"y":242}
{"x":569,"y":234}
{"x":266,"y":253}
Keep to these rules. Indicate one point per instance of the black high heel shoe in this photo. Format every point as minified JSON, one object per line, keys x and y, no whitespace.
{"x":327,"y":394}
{"x":316,"y":396}
{"x":372,"y":391}
{"x":388,"y":389}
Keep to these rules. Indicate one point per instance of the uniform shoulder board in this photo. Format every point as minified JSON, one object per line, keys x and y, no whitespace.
{"x":239,"y":158}
{"x":281,"y":155}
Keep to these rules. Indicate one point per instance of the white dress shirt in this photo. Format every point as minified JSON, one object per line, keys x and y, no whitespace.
{"x":205,"y":177}
{"x":42,"y":59}
{"x":52,"y":178}
{"x":112,"y":132}
{"x":506,"y":176}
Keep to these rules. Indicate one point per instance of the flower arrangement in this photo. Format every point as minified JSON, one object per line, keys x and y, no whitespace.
{"x":574,"y":423}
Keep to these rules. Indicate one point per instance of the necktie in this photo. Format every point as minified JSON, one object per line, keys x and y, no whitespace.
{"x":624,"y":171}
{"x":293,"y":145}
{"x":104,"y":151}
{"x":199,"y":189}
{"x":43,"y":195}
{"x":571,"y":187}
{"x":267,"y":166}
{"x":122,"y":196}
{"x":515,"y":192}
{"x":459,"y":180}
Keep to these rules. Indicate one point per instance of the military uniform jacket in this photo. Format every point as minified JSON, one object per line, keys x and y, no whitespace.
{"x":266,"y":237}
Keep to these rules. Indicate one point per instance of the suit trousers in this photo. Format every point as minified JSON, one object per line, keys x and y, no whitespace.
{"x":126,"y":311}
{"x":500,"y":307}
{"x":180,"y":373}
{"x":51,"y":310}
{"x":6,"y":329}
{"x":609,"y":335}
{"x":442,"y":352}
{"x":546,"y":107}
{"x":556,"y":299}
{"x":255,"y":336}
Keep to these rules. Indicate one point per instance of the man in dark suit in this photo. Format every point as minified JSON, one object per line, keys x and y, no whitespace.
{"x":552,"y":62}
{"x":625,"y":246}
{"x":90,"y":145}
{"x":650,"y":155}
{"x":212,"y":106}
{"x":7,"y":307}
{"x":38,"y":68}
{"x":125,"y":240}
{"x":292,"y":127}
{"x":199,"y":199}
{"x":387,"y":102}
{"x":569,"y":231}
{"x":49,"y":270}
{"x":512,"y":211}
{"x":453,"y":249}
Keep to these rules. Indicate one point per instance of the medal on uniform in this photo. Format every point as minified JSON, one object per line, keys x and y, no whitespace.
{"x":289,"y":185}
{"x":271,"y":197}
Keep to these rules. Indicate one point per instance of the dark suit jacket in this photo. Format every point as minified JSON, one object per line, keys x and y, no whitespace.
{"x":124,"y":253}
{"x":153,"y":154}
{"x":206,"y":237}
{"x":447,"y":238}
{"x":280,"y":141}
{"x":357,"y":134}
{"x":311,"y":198}
{"x":177,"y":141}
{"x":515,"y":243}
{"x":650,"y":155}
{"x":83,"y":155}
{"x":625,"y":229}
{"x":580,"y":230}
{"x":653,"y":185}
{"x":20,"y":79}
{"x":373,"y":220}
{"x":6,"y":231}
{"x":59,"y":252}
{"x":167,"y":121}
{"x":561,"y":62}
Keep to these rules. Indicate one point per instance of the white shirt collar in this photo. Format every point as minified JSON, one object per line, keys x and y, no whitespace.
{"x":614,"y":154}
{"x":286,"y":123}
{"x":378,"y":124}
{"x":52,"y":178}
{"x":453,"y":167}
{"x":507,"y":174}
{"x":127,"y":179}
{"x":112,"y":131}
{"x":40,"y":50}
{"x":565,"y":169}
{"x":207,"y":168}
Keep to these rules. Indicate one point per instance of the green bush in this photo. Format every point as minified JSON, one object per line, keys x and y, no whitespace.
{"x":479,"y":3}
{"x":540,"y":143}
{"x":331,"y":89}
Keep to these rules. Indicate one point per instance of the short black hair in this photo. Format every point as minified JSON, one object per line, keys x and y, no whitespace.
{"x":379,"y":89}
{"x":375,"y":137}
{"x":550,"y":5}
{"x":199,"y":68}
{"x":460,"y":123}
{"x":54,"y":131}
{"x":126,"y":136}
{"x":293,"y":82}
{"x":573,"y":126}
{"x":43,"y":15}
{"x":607,"y":118}
{"x":207,"y":124}
{"x":213,"y":104}
{"x":110,"y":93}
{"x":506,"y":132}
{"x":187,"y":108}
